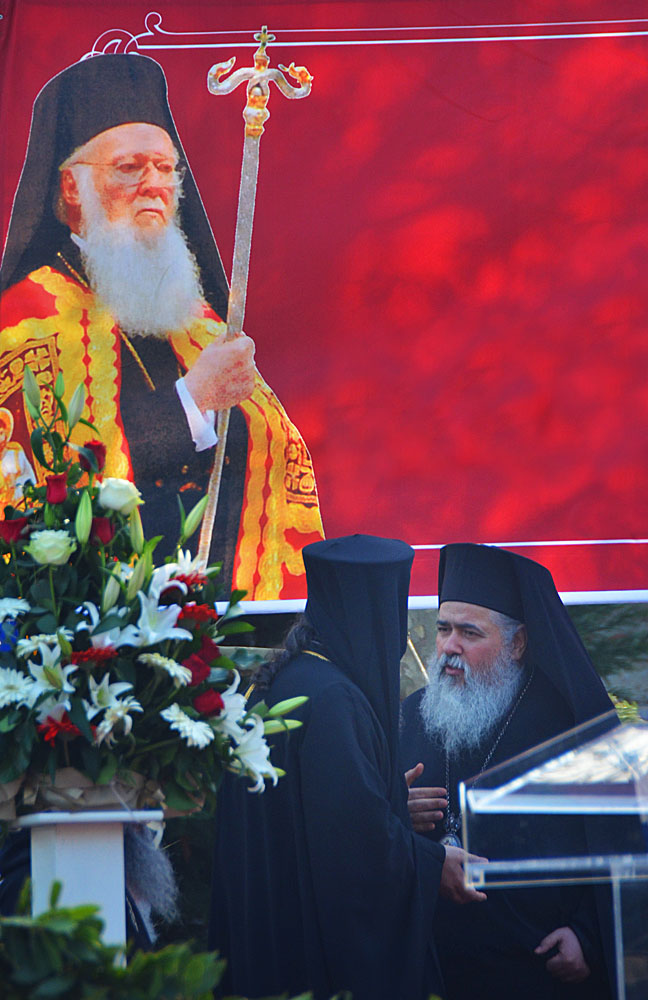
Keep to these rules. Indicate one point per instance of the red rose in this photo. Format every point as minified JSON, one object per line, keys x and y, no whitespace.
{"x":102,"y":530}
{"x":209,"y":650}
{"x":56,"y":488}
{"x":199,"y":669}
{"x":209,"y":703}
{"x":98,"y":450}
{"x":10,"y":531}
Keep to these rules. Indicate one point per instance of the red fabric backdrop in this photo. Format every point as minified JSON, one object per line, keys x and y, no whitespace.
{"x":447,"y":283}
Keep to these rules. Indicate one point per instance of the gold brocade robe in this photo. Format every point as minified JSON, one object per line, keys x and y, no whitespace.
{"x":54,"y":323}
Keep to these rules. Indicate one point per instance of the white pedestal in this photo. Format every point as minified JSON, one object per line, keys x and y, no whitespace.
{"x":85,"y":852}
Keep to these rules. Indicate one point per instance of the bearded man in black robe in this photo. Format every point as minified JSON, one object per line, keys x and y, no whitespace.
{"x":320,"y":883}
{"x":111,"y":277}
{"x":510,"y":672}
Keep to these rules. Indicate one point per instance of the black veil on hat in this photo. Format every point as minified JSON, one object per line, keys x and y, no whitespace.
{"x":73,"y":107}
{"x":523,"y":589}
{"x":357,"y":603}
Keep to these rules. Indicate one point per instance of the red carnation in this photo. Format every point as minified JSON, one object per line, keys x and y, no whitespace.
{"x":92,"y":655}
{"x":198,"y":612}
{"x":52,"y":728}
{"x":209,"y":703}
{"x":10,"y":531}
{"x":98,"y":450}
{"x":56,"y":488}
{"x":209,"y":650}
{"x":102,"y":530}
{"x":199,"y":669}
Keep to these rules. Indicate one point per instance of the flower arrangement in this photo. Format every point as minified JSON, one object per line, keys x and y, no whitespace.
{"x":111,"y":670}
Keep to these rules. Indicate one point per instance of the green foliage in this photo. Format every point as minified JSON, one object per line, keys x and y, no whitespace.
{"x":59,"y":955}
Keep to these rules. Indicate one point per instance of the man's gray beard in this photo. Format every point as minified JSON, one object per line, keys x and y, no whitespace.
{"x":149,"y":282}
{"x":460,"y":716}
{"x":149,"y":876}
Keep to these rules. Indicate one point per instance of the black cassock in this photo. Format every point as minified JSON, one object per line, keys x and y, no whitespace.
{"x":486,"y":949}
{"x":319,"y":882}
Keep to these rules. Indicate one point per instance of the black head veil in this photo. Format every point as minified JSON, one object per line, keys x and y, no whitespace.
{"x":523,"y":589}
{"x":73,"y":107}
{"x":357,"y":603}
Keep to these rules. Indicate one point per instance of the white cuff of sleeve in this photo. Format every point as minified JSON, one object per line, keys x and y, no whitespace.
{"x":201,"y":425}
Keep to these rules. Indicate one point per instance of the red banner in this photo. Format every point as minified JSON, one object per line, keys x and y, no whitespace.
{"x":447,"y":287}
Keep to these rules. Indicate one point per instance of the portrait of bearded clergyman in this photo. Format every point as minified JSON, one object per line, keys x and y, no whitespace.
{"x":111,"y":275}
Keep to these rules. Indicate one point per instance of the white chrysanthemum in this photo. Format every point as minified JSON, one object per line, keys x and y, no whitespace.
{"x":253,"y":754}
{"x":25,"y":647}
{"x":156,"y":624}
{"x":196,"y":733}
{"x":117,"y":712}
{"x":49,"y":675}
{"x":12,"y":606}
{"x":14,"y":687}
{"x":103,"y":695}
{"x":181,"y":675}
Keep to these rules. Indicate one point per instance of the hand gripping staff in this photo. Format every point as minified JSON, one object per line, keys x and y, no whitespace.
{"x":255,"y":115}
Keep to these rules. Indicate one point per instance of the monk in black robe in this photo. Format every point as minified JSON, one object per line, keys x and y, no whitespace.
{"x":320,"y":883}
{"x":510,"y":673}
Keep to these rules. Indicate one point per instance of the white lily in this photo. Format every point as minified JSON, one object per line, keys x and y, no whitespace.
{"x":156,"y":624}
{"x":235,"y":708}
{"x":14,"y":687}
{"x":186,"y":564}
{"x":196,"y":733}
{"x":103,"y":695}
{"x":53,"y":708}
{"x":49,"y":675}
{"x":12,"y":606}
{"x":181,"y":675}
{"x":161,"y":577}
{"x":114,"y":637}
{"x":253,"y":754}
{"x":117,"y":712}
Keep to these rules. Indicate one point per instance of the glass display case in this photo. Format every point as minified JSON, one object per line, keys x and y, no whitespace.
{"x":572,"y":811}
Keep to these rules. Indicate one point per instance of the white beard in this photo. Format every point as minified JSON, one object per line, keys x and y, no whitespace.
{"x":459,"y":716}
{"x":149,"y":282}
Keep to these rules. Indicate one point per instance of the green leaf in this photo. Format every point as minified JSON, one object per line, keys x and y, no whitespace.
{"x":86,"y":423}
{"x":55,"y":894}
{"x":176,"y":798}
{"x":59,"y":386}
{"x":36,"y":440}
{"x":79,"y":718}
{"x":234,"y":628}
{"x":107,"y":772}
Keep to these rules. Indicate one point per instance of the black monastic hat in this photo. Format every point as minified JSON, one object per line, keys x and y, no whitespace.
{"x":357,"y":602}
{"x":73,"y":107}
{"x":523,"y":589}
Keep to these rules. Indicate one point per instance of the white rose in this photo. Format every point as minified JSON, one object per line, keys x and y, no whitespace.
{"x":119,"y":495}
{"x":51,"y":547}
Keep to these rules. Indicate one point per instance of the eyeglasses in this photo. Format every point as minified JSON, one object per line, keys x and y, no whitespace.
{"x":131,"y":172}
